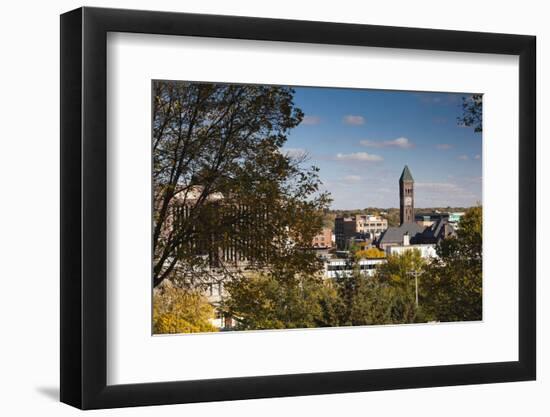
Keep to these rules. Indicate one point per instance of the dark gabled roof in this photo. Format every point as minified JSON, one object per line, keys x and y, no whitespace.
{"x":438,"y":231}
{"x":406,"y":175}
{"x":417,"y":234}
{"x":395,"y":234}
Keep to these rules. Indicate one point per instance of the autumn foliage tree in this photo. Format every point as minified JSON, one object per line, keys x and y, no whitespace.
{"x":179,"y":310}
{"x":222,"y":182}
{"x":370,"y":253}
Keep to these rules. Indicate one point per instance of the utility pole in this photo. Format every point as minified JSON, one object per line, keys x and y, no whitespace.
{"x":415,"y":273}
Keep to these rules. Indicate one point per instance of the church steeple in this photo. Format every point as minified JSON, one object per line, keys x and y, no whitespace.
{"x":406,"y":175}
{"x":406,"y":196}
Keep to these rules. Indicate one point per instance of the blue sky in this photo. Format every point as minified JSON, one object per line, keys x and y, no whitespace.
{"x":361,"y":140}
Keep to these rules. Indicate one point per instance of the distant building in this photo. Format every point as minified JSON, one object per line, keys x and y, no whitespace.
{"x":341,"y":268}
{"x":415,"y":234}
{"x":424,"y":233}
{"x":406,"y":196}
{"x":393,"y":236}
{"x":426,"y":250}
{"x":373,"y":225}
{"x":427,"y":219}
{"x":344,"y":230}
{"x":361,"y":227}
{"x":454,"y":218}
{"x":322,"y":240}
{"x":219,"y":250}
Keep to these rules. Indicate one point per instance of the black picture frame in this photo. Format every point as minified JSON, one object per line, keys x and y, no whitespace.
{"x":84,"y":207}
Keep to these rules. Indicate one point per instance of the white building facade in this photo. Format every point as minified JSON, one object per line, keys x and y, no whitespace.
{"x":335,"y":268}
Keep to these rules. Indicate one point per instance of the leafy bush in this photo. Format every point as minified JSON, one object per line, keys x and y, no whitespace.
{"x":370,"y":253}
{"x":178,"y":310}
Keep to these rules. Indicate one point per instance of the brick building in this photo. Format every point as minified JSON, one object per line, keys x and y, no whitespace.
{"x":361,"y":226}
{"x":323,"y":240}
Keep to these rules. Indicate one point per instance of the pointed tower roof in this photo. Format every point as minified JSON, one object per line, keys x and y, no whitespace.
{"x":406,"y":175}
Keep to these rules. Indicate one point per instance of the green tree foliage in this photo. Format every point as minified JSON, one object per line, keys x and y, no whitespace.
{"x":387,"y":297}
{"x":399,"y":268}
{"x":177,"y":310}
{"x":217,"y":152}
{"x":262,"y":301}
{"x":400,"y":273}
{"x":453,"y":286}
{"x":472,"y":112}
{"x":356,"y":303}
{"x":364,"y":300}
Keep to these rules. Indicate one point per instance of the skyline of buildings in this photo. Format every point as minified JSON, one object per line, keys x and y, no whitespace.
{"x":334,"y":246}
{"x":422,"y":231}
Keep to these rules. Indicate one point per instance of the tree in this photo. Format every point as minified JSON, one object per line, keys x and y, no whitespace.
{"x":387,"y":297}
{"x":263,"y":301}
{"x":403,"y":273}
{"x":373,"y":300}
{"x":354,"y":305}
{"x":177,"y":310}
{"x":221,"y":183}
{"x":454,"y":285}
{"x":472,"y":112}
{"x":370,"y":253}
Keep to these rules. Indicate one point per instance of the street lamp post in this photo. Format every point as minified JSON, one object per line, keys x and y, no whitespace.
{"x":415,"y":273}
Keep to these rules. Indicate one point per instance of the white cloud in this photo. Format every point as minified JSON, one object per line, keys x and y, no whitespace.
{"x":445,"y":193}
{"x":462,"y":157}
{"x":352,"y":178}
{"x":311,"y":120}
{"x":359,"y":156}
{"x":439,"y":98}
{"x":354,"y":120}
{"x":401,"y":142}
{"x":443,"y":146}
{"x":439,"y":186}
{"x":477,"y":157}
{"x":434,"y":100}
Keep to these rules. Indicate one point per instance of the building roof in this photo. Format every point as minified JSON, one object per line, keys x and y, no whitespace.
{"x":395,"y":234}
{"x":438,"y":231}
{"x":441,"y":229}
{"x":406,"y":175}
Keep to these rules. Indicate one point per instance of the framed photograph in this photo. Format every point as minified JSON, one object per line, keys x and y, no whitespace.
{"x":258,"y":208}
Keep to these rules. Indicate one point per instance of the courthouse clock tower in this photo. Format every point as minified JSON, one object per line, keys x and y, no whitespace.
{"x":406,"y":196}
